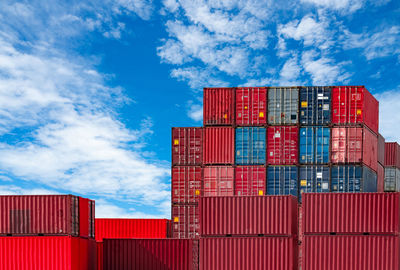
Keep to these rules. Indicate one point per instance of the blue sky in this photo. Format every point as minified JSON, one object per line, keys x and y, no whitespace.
{"x":90,"y":89}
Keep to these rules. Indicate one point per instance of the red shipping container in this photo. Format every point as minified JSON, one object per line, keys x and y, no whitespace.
{"x":282,"y":145}
{"x":151,"y":254}
{"x":248,"y":215}
{"x":187,"y":145}
{"x":392,"y":154}
{"x":47,"y":252}
{"x":219,"y":106}
{"x":250,"y":253}
{"x":354,"y":145}
{"x":46,"y":215}
{"x":381,"y":149}
{"x":351,"y":213}
{"x":301,"y":230}
{"x":380,"y":178}
{"x":130,"y":228}
{"x":185,"y":220}
{"x":250,"y":180}
{"x":99,"y":255}
{"x":219,"y":145}
{"x":355,"y":105}
{"x":218,"y":181}
{"x":251,"y":106}
{"x":186,"y":184}
{"x":351,"y":252}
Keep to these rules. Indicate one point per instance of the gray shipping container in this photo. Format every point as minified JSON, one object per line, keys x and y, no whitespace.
{"x":392,"y":179}
{"x":283,"y":105}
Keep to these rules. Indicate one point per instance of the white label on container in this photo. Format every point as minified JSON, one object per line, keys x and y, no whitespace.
{"x":319,"y":174}
{"x":277,"y":135}
{"x":325,"y":107}
{"x":324,"y":185}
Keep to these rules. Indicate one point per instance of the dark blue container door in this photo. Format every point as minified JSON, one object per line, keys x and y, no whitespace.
{"x":242,"y":145}
{"x":307,"y":142}
{"x":250,"y":146}
{"x":322,"y":139}
{"x":315,"y":105}
{"x":349,"y":178}
{"x":314,"y":145}
{"x":282,"y":180}
{"x":314,"y":179}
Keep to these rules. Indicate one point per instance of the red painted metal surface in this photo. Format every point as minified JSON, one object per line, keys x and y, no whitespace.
{"x":301,"y":225}
{"x":351,"y":252}
{"x":250,"y":180}
{"x":47,"y":252}
{"x":187,"y":146}
{"x":248,"y":216}
{"x":251,"y":106}
{"x":219,"y":145}
{"x":282,"y":145}
{"x":100,"y":256}
{"x":150,"y":254}
{"x":355,"y":105}
{"x":380,"y":178}
{"x":46,"y":215}
{"x":185,"y":220}
{"x":354,"y":145}
{"x":381,"y":149}
{"x":186,"y":184}
{"x":392,"y":154}
{"x":218,"y":181}
{"x":351,"y":213}
{"x":130,"y":228}
{"x":250,"y":253}
{"x":219,"y":106}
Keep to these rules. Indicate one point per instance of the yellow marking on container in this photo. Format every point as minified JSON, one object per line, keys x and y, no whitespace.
{"x":176,"y":142}
{"x":225,"y":116}
{"x":358,"y":112}
{"x":261,"y":114}
{"x":176,"y":219}
{"x":304,"y":104}
{"x":197,"y":192}
{"x":245,"y":107}
{"x":260,"y":192}
{"x":303,"y":183}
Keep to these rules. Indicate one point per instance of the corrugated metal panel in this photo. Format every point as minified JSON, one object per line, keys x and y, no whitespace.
{"x":392,"y":154}
{"x":219,"y":145}
{"x":380,"y":178}
{"x":250,"y":253}
{"x":100,"y":256}
{"x":283,"y":105}
{"x":251,"y":106}
{"x":315,"y":105}
{"x":348,"y":178}
{"x":47,"y":252}
{"x":392,"y":179}
{"x":130,"y":228}
{"x":250,"y":145}
{"x":351,"y":252}
{"x":218,"y":181}
{"x":186,"y":184}
{"x":150,"y":254}
{"x":351,"y":213}
{"x":248,"y":216}
{"x":354,"y":145}
{"x":282,"y":180}
{"x":282,"y":145}
{"x":219,"y":106}
{"x":354,"y":104}
{"x":314,"y":179}
{"x":381,"y":149}
{"x":185,"y":220}
{"x":187,"y":146}
{"x":314,"y":145}
{"x":250,"y":180}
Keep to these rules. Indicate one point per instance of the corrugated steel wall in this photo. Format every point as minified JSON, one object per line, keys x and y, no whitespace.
{"x":315,"y":105}
{"x":219,"y":145}
{"x":186,"y":184}
{"x":283,"y":105}
{"x":218,"y":106}
{"x":381,"y":149}
{"x":392,"y":154}
{"x":250,"y":145}
{"x":251,"y":106}
{"x":250,"y":180}
{"x":380,"y":178}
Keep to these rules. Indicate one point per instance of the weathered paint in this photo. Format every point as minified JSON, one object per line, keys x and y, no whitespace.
{"x":283,"y":105}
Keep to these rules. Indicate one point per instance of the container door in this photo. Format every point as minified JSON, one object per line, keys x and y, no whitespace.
{"x":322,"y":138}
{"x":259,"y":103}
{"x":323,"y":105}
{"x":179,"y":146}
{"x":306,"y":145}
{"x":258,"y":147}
{"x":307,"y":105}
{"x":243,"y":106}
{"x":274,"y":105}
{"x":243,"y":146}
{"x":84,"y":218}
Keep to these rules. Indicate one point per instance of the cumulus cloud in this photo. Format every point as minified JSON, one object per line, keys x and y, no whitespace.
{"x":341,"y":5}
{"x":389,"y":118}
{"x":197,"y":78}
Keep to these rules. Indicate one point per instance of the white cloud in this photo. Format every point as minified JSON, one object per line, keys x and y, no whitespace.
{"x":389,"y":118}
{"x":196,"y":112}
{"x":104,"y":209}
{"x":15,"y":190}
{"x":197,"y":78}
{"x":341,"y":5}
{"x":290,"y":72}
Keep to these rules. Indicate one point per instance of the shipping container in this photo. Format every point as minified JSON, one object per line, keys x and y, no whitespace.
{"x":314,"y":179}
{"x":314,"y":145}
{"x":315,"y":105}
{"x":185,"y":220}
{"x":219,"y":106}
{"x":218,"y":181}
{"x":301,"y":228}
{"x":219,"y":144}
{"x":151,"y":254}
{"x":282,"y":145}
{"x":392,"y":154}
{"x":250,"y":145}
{"x":250,"y":180}
{"x":186,"y":184}
{"x":348,"y":178}
{"x":251,"y":106}
{"x":355,"y":105}
{"x":381,"y":149}
{"x":351,"y":213}
{"x":250,"y":253}
{"x":187,"y":146}
{"x":130,"y":228}
{"x":46,"y":215}
{"x":47,"y":252}
{"x":283,"y":105}
{"x":248,"y":216}
{"x":354,"y":145}
{"x":392,"y":179}
{"x":282,"y":180}
{"x":380,"y":178}
{"x":99,"y":255}
{"x":351,"y":252}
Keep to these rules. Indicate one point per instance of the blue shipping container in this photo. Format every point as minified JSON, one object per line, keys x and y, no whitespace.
{"x":314,"y":179}
{"x":282,"y":180}
{"x":315,"y":105}
{"x":348,"y":178}
{"x":314,"y":145}
{"x":250,"y":145}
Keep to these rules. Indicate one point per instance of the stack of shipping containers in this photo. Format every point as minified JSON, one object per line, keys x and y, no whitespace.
{"x":392,"y":167}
